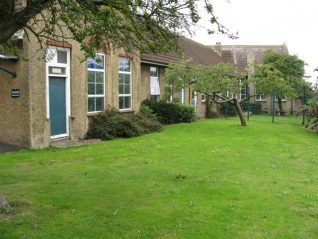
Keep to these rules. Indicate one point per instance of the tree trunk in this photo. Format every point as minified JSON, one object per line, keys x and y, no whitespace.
{"x":239,"y":112}
{"x":280,"y":105}
{"x":207,"y":106}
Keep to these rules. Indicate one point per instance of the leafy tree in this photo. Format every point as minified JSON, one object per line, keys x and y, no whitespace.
{"x":178,"y":76}
{"x":217,"y":82}
{"x":146,"y":25}
{"x":280,"y":73}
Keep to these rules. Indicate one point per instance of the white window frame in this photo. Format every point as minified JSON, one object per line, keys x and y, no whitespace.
{"x":243,"y":86}
{"x":182,"y":96}
{"x":195,"y":99}
{"x":51,"y":61}
{"x":170,"y":97}
{"x":156,"y":78}
{"x":259,"y":97}
{"x":130,"y":83}
{"x":283,"y":99}
{"x":203,"y":97}
{"x":104,"y":88}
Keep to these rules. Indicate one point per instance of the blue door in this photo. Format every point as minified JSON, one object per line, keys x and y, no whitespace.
{"x":57,"y":91}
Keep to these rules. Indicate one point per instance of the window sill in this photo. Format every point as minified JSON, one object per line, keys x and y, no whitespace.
{"x":93,"y":113}
{"x":127,"y":111}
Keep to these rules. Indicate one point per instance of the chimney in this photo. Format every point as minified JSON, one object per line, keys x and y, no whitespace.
{"x":218,"y":48}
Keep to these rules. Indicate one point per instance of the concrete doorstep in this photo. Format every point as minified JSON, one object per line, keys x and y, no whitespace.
{"x":67,"y":143}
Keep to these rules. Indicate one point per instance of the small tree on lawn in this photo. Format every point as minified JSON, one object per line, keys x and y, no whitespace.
{"x":216,"y":82}
{"x":281,"y":74}
{"x":221,"y":85}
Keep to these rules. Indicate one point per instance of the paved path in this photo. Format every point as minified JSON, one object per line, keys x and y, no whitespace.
{"x":8,"y":148}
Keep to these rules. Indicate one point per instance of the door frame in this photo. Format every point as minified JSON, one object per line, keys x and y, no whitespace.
{"x":51,"y":61}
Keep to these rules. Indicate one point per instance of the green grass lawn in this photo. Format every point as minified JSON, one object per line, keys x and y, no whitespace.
{"x":208,"y":179}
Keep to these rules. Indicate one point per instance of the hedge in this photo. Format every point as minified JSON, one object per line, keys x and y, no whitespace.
{"x":171,"y":113}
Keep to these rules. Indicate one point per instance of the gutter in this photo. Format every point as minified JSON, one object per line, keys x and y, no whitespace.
{"x":154,"y":63}
{"x":12,"y":58}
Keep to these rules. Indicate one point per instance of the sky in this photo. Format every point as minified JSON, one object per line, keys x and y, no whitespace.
{"x":268,"y":22}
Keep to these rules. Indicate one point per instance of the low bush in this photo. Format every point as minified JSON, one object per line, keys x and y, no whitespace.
{"x":112,"y":124}
{"x":310,"y":111}
{"x":254,"y":107}
{"x":228,"y":109}
{"x":171,"y":113}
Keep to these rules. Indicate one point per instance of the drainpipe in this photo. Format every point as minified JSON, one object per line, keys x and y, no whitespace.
{"x":13,"y":74}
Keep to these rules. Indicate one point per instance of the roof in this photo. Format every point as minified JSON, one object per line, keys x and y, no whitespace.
{"x":242,"y":55}
{"x":195,"y":52}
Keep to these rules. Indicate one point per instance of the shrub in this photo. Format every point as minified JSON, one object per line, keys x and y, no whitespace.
{"x":171,"y":113}
{"x":228,"y":109}
{"x":254,"y":107}
{"x":112,"y":124}
{"x":311,"y":112}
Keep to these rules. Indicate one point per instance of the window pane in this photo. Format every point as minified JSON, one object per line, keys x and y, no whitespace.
{"x":128,"y":102}
{"x":96,"y":64}
{"x":100,"y":89}
{"x":121,"y":102}
{"x":121,"y":78}
{"x":100,"y":104}
{"x":124,"y":64}
{"x":62,"y":57}
{"x":121,"y":89}
{"x":91,"y":104}
{"x":154,"y":71}
{"x":99,"y":77}
{"x":127,"y":89}
{"x":91,"y":76}
{"x":91,"y":89}
{"x":127,"y":78}
{"x":124,"y":102}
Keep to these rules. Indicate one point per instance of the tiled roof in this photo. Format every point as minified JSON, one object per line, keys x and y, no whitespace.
{"x":242,"y":55}
{"x":193,"y":51}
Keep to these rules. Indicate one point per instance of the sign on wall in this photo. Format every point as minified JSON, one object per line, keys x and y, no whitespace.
{"x":15,"y":93}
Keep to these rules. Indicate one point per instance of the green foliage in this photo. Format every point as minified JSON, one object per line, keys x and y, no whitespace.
{"x":142,"y":25}
{"x":178,"y":76}
{"x":254,"y":107}
{"x":281,"y":73}
{"x":171,"y":113}
{"x":227,"y":109}
{"x":216,"y":79}
{"x":112,"y":124}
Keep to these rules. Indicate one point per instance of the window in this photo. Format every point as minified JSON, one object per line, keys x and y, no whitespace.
{"x":260,"y":96}
{"x":282,"y":97}
{"x":56,"y":56}
{"x":244,"y":91}
{"x":194,"y":98}
{"x":154,"y":84}
{"x":203,"y":97}
{"x":96,"y":83}
{"x":124,"y":85}
{"x":181,"y":96}
{"x":169,"y":93}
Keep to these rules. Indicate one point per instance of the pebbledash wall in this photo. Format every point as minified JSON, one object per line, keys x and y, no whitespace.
{"x":26,"y":120}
